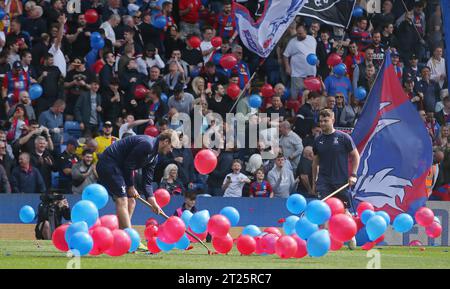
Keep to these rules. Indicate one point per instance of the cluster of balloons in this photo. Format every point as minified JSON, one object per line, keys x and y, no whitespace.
{"x":89,"y":234}
{"x":425,"y":218}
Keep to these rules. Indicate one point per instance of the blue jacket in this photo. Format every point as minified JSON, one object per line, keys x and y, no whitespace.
{"x":29,"y":182}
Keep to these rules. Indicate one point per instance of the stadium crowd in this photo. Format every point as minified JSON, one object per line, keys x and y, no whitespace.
{"x":91,"y":98}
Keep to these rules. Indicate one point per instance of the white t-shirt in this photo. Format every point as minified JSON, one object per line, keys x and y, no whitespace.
{"x":109,"y":31}
{"x":124,"y":129}
{"x":59,"y":59}
{"x":205,"y":46}
{"x":236,"y":185}
{"x":298,"y":51}
{"x":437,"y":69}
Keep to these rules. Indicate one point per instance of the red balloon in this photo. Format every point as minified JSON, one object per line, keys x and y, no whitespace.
{"x":342,"y":227}
{"x":194,"y":42}
{"x":424,"y":216}
{"x":223,"y":244}
{"x":335,"y":244}
{"x":161,"y":234}
{"x":434,"y":230}
{"x":336,"y":206}
{"x":151,"y":231}
{"x":140,"y":92}
{"x":286,"y":247}
{"x":216,"y":41}
{"x":359,"y":223}
{"x":97,"y":224}
{"x":201,"y":236}
{"x":259,"y":249}
{"x":152,"y":131}
{"x":174,"y":228}
{"x":103,"y":240}
{"x":121,"y":244}
{"x":301,"y":247}
{"x":364,"y":206}
{"x":98,"y":66}
{"x":415,"y":243}
{"x":58,"y":238}
{"x":162,"y":197}
{"x":151,"y":221}
{"x":91,"y":16}
{"x":233,"y":91}
{"x":218,"y":225}
{"x":268,"y":243}
{"x":313,"y":84}
{"x":246,"y":245}
{"x":267,"y":90}
{"x":152,"y":246}
{"x":205,"y":161}
{"x":273,"y":230}
{"x":110,"y":221}
{"x":334,"y":59}
{"x":228,"y":61}
{"x":368,"y":246}
{"x":379,"y":240}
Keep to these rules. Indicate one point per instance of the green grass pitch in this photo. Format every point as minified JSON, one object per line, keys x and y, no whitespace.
{"x":27,"y":254}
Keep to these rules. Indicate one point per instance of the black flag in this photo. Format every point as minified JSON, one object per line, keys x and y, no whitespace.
{"x":332,"y":12}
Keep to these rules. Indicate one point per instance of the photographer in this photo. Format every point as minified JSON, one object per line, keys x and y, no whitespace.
{"x":51,"y":210}
{"x":27,"y":140}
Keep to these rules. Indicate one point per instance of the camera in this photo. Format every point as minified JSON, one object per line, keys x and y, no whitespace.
{"x":50,"y":214}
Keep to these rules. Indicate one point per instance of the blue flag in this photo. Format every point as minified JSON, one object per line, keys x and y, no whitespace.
{"x":395,"y":148}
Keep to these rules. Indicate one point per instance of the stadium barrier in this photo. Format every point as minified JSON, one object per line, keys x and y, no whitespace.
{"x":260,"y":212}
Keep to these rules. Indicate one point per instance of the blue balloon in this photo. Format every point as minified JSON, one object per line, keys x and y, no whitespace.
{"x":385,"y":215}
{"x":255,"y":101}
{"x":199,"y":222}
{"x":135,"y":239}
{"x":403,"y":223}
{"x":318,"y":244}
{"x":164,"y":98}
{"x":160,"y":22}
{"x":286,"y":95}
{"x":376,"y":227}
{"x":216,"y":58}
{"x":232,"y":214}
{"x":366,"y":215}
{"x":99,"y":44}
{"x":2,"y":13}
{"x":81,"y":243}
{"x":186,"y":216}
{"x":91,"y":57}
{"x":289,"y":225}
{"x":340,"y":69}
{"x":95,"y":37}
{"x":357,"y":12}
{"x":164,"y":246}
{"x":97,"y":194}
{"x":360,"y":93}
{"x":85,"y":211}
{"x":304,"y":228}
{"x":183,"y":243}
{"x":318,"y":212}
{"x":27,"y":214}
{"x":312,"y":59}
{"x":296,"y":204}
{"x":75,"y":228}
{"x":361,"y":237}
{"x":35,"y":91}
{"x":251,"y":230}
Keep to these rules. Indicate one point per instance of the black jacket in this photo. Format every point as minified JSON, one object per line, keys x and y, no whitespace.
{"x":83,"y":107}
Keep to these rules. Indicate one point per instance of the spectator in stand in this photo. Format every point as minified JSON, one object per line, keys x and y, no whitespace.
{"x":56,"y":45}
{"x":53,"y":120}
{"x":368,"y":78}
{"x":219,"y":102}
{"x":260,"y":188}
{"x":430,"y":90}
{"x":190,"y":198}
{"x":323,"y":50}
{"x":88,"y":109}
{"x":15,"y":82}
{"x":361,"y":35}
{"x":189,"y":17}
{"x":27,"y":179}
{"x":277,"y":107}
{"x":384,"y":18}
{"x":226,"y":22}
{"x":437,"y":66}
{"x":198,"y":88}
{"x":353,"y":59}
{"x":206,"y":47}
{"x":431,"y":124}
{"x":18,"y":121}
{"x":294,"y":58}
{"x":109,"y":26}
{"x":50,"y":79}
{"x":192,"y":56}
{"x":79,"y":37}
{"x":130,"y":123}
{"x":443,"y":116}
{"x":42,"y":160}
{"x":180,"y":100}
{"x":107,"y":139}
{"x":171,"y":182}
{"x":175,"y":77}
{"x":378,"y":49}
{"x":398,"y":66}
{"x":211,"y":75}
{"x":65,"y":163}
{"x":149,"y":59}
{"x":408,"y":37}
{"x":26,"y":59}
{"x":172,"y":41}
{"x":77,"y":82}
{"x":5,"y":187}
{"x":415,"y":98}
{"x":281,"y":178}
{"x":6,"y":161}
{"x":304,"y":173}
{"x":307,"y":115}
{"x":360,"y":69}
{"x":388,"y":38}
{"x":84,"y":173}
{"x":241,"y":69}
{"x":235,"y":181}
{"x":24,"y":99}
{"x":291,"y":144}
{"x":412,"y":71}
{"x":338,"y":83}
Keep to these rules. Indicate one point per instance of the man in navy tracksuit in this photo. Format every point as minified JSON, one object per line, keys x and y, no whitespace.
{"x":117,"y":166}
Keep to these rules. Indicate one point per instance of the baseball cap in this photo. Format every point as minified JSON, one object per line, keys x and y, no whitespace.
{"x":17,"y":65}
{"x":107,"y":124}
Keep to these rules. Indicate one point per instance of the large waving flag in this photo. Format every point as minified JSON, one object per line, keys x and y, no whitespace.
{"x":333,"y":12}
{"x":395,"y":148}
{"x":262,"y":36}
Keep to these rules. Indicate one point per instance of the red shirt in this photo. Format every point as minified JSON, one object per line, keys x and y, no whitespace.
{"x":193,"y":15}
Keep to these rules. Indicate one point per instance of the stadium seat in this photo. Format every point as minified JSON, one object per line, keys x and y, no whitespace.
{"x":72,"y":129}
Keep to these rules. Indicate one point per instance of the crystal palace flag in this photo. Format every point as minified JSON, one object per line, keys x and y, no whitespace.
{"x":333,"y":12}
{"x":395,"y":148}
{"x":262,"y":36}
